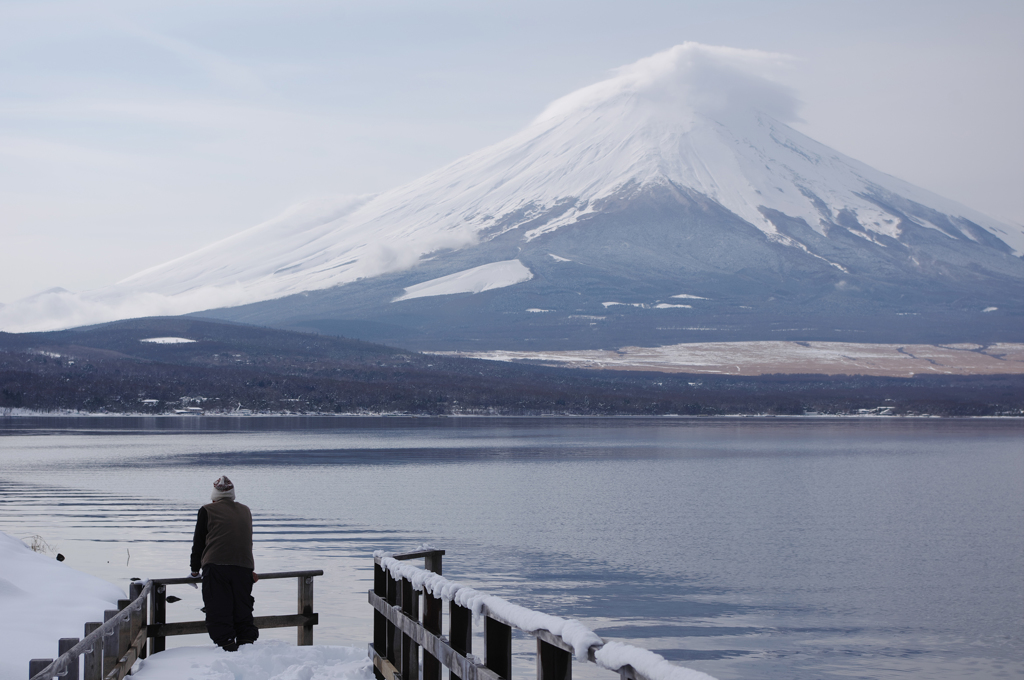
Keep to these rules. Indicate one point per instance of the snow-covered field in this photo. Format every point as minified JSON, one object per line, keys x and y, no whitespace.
{"x":273,"y":660}
{"x":43,"y":600}
{"x":761,"y":358}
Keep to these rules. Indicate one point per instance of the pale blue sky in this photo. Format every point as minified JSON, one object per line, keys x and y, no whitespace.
{"x":132,"y":132}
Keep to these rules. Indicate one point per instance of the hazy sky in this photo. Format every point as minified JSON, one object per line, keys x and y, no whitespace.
{"x":133,"y":132}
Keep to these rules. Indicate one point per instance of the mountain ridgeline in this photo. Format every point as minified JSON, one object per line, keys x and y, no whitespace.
{"x":670,"y":203}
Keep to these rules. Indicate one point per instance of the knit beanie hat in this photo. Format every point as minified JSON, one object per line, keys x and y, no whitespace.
{"x":223,"y":489}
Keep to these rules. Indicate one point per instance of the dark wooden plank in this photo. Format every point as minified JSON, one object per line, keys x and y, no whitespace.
{"x":158,"y":616}
{"x":394,"y":636}
{"x":432,"y":612}
{"x":419,"y":553}
{"x":382,"y":667}
{"x":553,"y":663}
{"x":267,"y":576}
{"x":410,"y":666}
{"x":64,"y":645}
{"x":93,"y":657}
{"x":196,"y":627}
{"x":432,"y":561}
{"x":555,"y":640}
{"x":37,"y":666}
{"x":134,"y":591}
{"x":125,"y":663}
{"x":124,"y":630}
{"x":460,"y":632}
{"x":380,"y":623}
{"x":110,"y":654}
{"x":305,"y":631}
{"x":498,"y":647}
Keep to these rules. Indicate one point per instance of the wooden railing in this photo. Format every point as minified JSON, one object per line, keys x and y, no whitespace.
{"x":304,"y":619}
{"x":399,"y":632}
{"x":109,"y":650}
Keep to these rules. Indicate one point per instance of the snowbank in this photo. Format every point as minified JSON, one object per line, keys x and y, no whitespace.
{"x":43,"y":600}
{"x":272,"y":660}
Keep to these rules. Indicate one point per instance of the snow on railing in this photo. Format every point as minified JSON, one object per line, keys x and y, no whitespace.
{"x":398,"y":633}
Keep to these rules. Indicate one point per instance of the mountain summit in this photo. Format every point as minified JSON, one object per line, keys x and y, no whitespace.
{"x":668,"y":203}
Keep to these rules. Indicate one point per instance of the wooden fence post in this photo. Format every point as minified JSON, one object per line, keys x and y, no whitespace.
{"x":553,"y":663}
{"x":37,"y":665}
{"x":498,"y":647}
{"x":394,"y":634}
{"x":92,"y":658}
{"x":158,"y":597}
{"x":138,"y":615}
{"x":124,"y":629}
{"x":110,"y":640}
{"x":460,"y":633}
{"x":380,"y":622}
{"x":63,"y":645}
{"x":433,"y":561}
{"x":305,"y":607}
{"x":410,"y":650}
{"x":432,"y":621}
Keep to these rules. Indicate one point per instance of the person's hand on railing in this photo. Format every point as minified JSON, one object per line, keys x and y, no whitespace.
{"x":194,"y":574}
{"x":255,"y":577}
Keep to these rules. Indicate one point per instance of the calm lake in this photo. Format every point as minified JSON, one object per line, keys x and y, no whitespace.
{"x":745,"y":548}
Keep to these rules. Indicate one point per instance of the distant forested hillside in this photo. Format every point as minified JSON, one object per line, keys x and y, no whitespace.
{"x":229,"y":367}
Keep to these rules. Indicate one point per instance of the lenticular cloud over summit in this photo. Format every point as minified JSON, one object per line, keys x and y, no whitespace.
{"x":691,"y":143}
{"x":690,"y":79}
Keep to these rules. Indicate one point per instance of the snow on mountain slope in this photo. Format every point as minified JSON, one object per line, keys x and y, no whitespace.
{"x":475,"y":280}
{"x":705,"y":119}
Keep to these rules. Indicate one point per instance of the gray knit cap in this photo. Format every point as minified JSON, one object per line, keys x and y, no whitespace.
{"x":223,"y":489}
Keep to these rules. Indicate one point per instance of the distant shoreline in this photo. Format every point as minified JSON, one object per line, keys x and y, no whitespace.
{"x":490,"y":416}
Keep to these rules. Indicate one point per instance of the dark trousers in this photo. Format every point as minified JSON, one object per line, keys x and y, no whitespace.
{"x":227,"y":594}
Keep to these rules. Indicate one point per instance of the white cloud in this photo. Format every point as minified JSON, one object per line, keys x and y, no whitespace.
{"x":713,"y":81}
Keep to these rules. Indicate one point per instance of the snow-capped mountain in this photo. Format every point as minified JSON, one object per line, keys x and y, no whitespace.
{"x":670,"y":197}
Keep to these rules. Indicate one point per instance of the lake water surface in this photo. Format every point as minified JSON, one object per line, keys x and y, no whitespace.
{"x":745,"y":548}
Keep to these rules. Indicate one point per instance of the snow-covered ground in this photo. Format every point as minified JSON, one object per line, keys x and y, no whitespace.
{"x":761,"y":358}
{"x":273,"y":660}
{"x":43,"y":600}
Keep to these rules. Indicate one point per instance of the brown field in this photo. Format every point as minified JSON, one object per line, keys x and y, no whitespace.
{"x":761,"y":358}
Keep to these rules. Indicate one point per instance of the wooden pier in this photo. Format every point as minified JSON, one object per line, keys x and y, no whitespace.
{"x":408,"y":642}
{"x":109,"y":649}
{"x":408,"y":638}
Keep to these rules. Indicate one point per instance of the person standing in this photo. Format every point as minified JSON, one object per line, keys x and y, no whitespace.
{"x":222,"y":548}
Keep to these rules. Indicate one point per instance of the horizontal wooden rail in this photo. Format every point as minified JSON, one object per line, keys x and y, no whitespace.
{"x":159,"y":629}
{"x":263,"y":577}
{"x":197,"y":627}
